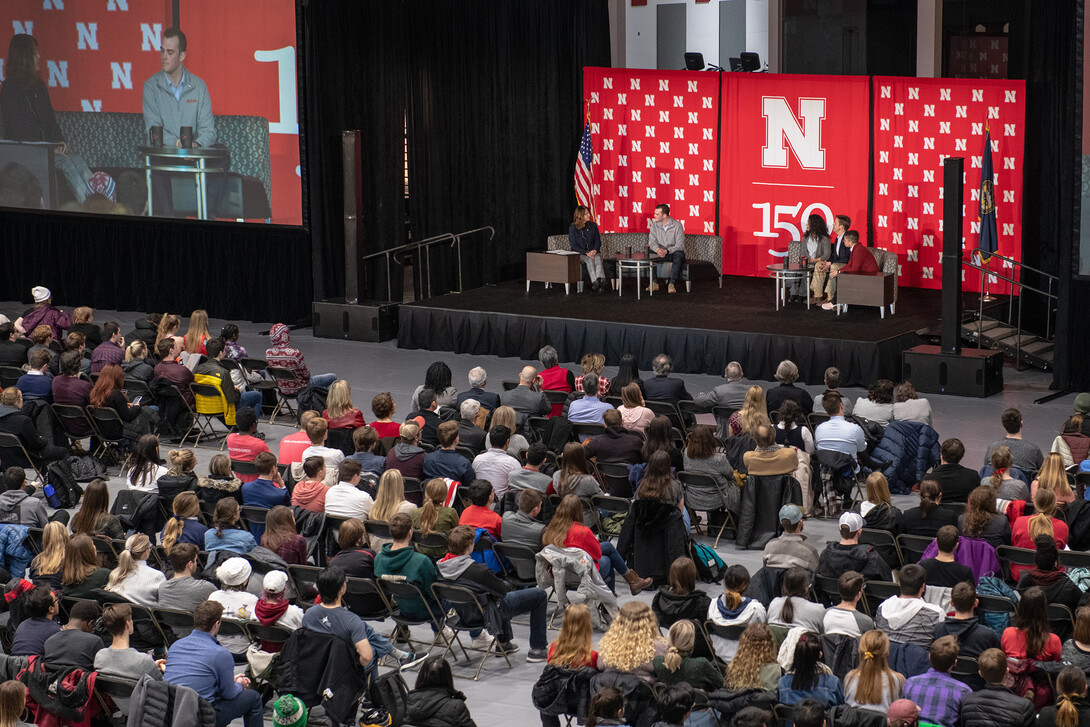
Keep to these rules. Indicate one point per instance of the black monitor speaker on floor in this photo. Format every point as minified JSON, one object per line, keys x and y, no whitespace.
{"x":950,"y":369}
{"x":347,"y":318}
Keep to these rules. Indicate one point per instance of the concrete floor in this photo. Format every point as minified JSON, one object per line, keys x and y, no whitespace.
{"x":502,"y":696}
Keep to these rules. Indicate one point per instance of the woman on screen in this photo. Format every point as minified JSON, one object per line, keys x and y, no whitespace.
{"x":28,"y":112}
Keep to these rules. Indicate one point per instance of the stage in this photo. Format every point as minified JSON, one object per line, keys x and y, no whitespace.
{"x":701,"y":331}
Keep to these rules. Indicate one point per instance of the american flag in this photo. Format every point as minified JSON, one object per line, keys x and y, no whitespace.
{"x":583,"y":191}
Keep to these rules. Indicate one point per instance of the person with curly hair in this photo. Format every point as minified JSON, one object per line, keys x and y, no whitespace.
{"x":981,"y":520}
{"x":755,"y":666}
{"x":632,"y":642}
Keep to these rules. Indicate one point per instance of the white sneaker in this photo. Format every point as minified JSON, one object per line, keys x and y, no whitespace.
{"x":481,"y":642}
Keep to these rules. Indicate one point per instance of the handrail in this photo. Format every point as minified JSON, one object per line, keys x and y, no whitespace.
{"x":426,"y":244}
{"x":458,"y":242}
{"x":1019,"y":263}
{"x":1052,"y":280}
{"x":1022,"y":286}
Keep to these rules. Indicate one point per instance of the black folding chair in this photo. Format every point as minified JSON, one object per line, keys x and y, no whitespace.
{"x":612,"y":506}
{"x":206,"y":422}
{"x":913,"y":547}
{"x":1009,"y":555}
{"x":874,"y":592}
{"x":465,"y":612}
{"x":615,"y":479}
{"x":364,"y":598}
{"x":9,"y":376}
{"x":704,"y":489}
{"x":305,"y":580}
{"x":12,"y":451}
{"x":175,"y":624}
{"x":396,"y":587}
{"x":73,"y":422}
{"x":108,"y":690}
{"x":523,"y":560}
{"x":110,"y":430}
{"x":284,"y":401}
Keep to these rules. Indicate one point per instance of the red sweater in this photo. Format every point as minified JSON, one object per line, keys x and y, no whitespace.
{"x":351,"y":419}
{"x":1014,"y":645}
{"x":1020,"y":538}
{"x":861,"y":262}
{"x":580,"y":536}
{"x":476,"y":516}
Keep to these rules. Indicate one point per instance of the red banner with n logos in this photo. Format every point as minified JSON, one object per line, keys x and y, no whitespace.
{"x":653,"y":139}
{"x":918,"y":122}
{"x":791,"y":146}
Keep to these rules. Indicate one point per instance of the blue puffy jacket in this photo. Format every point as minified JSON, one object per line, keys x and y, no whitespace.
{"x":911,"y":449}
{"x":13,"y":553}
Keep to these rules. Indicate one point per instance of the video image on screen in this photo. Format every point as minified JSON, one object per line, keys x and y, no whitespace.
{"x":165,"y":108}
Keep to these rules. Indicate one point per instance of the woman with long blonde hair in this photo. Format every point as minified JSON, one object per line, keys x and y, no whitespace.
{"x":679,"y":664}
{"x":82,"y":573}
{"x":433,"y":516}
{"x":873,"y":685}
{"x":755,"y":665}
{"x":632,"y":642}
{"x":507,"y":417}
{"x":1002,"y":482}
{"x":197,"y":333}
{"x":753,"y":413}
{"x":137,"y":365}
{"x":574,"y":646}
{"x":566,"y":530}
{"x":1027,"y":528}
{"x":1053,"y":476}
{"x":133,"y":578}
{"x":389,"y":501}
{"x":184,"y":527}
{"x":339,"y":412}
{"x":46,"y":566}
{"x":878,"y":510}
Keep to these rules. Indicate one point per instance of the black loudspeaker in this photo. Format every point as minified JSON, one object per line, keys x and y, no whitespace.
{"x":355,"y":321}
{"x":953,"y":172}
{"x":353,"y":203}
{"x":973,"y":372}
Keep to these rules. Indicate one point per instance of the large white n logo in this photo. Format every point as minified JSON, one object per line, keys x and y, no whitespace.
{"x":782,"y":125}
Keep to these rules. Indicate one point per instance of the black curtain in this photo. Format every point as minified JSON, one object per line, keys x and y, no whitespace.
{"x":495,"y":119}
{"x":1052,"y":59}
{"x":246,"y":272}
{"x":354,"y":77}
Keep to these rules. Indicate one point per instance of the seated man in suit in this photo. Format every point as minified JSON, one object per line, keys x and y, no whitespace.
{"x":478,"y":379}
{"x":821,"y":278}
{"x":661,"y":387}
{"x":861,"y":262}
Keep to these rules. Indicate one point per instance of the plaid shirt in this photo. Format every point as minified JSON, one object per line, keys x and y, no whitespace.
{"x":603,"y":385}
{"x":938,"y":695}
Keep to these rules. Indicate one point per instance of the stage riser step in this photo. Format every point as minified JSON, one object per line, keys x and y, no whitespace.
{"x":1000,"y":336}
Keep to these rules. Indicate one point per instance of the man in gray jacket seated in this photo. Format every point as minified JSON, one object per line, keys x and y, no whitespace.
{"x":908,"y":618}
{"x":667,"y":242}
{"x":522,"y":526}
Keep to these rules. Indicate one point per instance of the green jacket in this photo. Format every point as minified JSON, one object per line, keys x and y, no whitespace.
{"x":448,"y":518}
{"x":697,"y":671}
{"x":417,"y":569}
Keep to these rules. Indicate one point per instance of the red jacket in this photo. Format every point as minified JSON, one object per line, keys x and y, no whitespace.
{"x":861,"y":262}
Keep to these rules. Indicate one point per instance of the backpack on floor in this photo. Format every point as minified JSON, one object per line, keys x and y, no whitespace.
{"x":66,"y":490}
{"x":709,"y":566}
{"x":390,"y":693}
{"x":86,"y":468}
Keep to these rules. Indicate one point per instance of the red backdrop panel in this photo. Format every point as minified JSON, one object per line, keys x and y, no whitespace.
{"x":792,"y":146}
{"x":653,"y":135}
{"x":96,"y":55}
{"x":918,"y":122}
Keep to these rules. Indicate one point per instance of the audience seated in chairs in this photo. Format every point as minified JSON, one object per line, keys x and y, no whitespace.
{"x":283,"y":355}
{"x":267,"y":490}
{"x":873,"y":685}
{"x":974,"y":636}
{"x":878,"y":510}
{"x":939,"y":694}
{"x":40,"y":607}
{"x":220,"y":482}
{"x":530,"y":475}
{"x":470,"y":434}
{"x":243,"y":444}
{"x":680,"y":599}
{"x":995,"y":705}
{"x":82,"y":573}
{"x":733,"y":608}
{"x":632,"y":642}
{"x":930,"y":516}
{"x":943,"y":570}
{"x":400,"y":559}
{"x":119,"y":660}
{"x":433,"y":516}
{"x":635,"y":416}
{"x":310,"y":494}
{"x":134,"y":578}
{"x":981,"y":520}
{"x":1025,"y":455}
{"x":807,"y":679}
{"x":495,"y":464}
{"x":75,"y":645}
{"x":18,"y":506}
{"x":224,"y":534}
{"x":434,"y":702}
{"x":108,"y":393}
{"x":849,"y":554}
{"x":427,"y":417}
